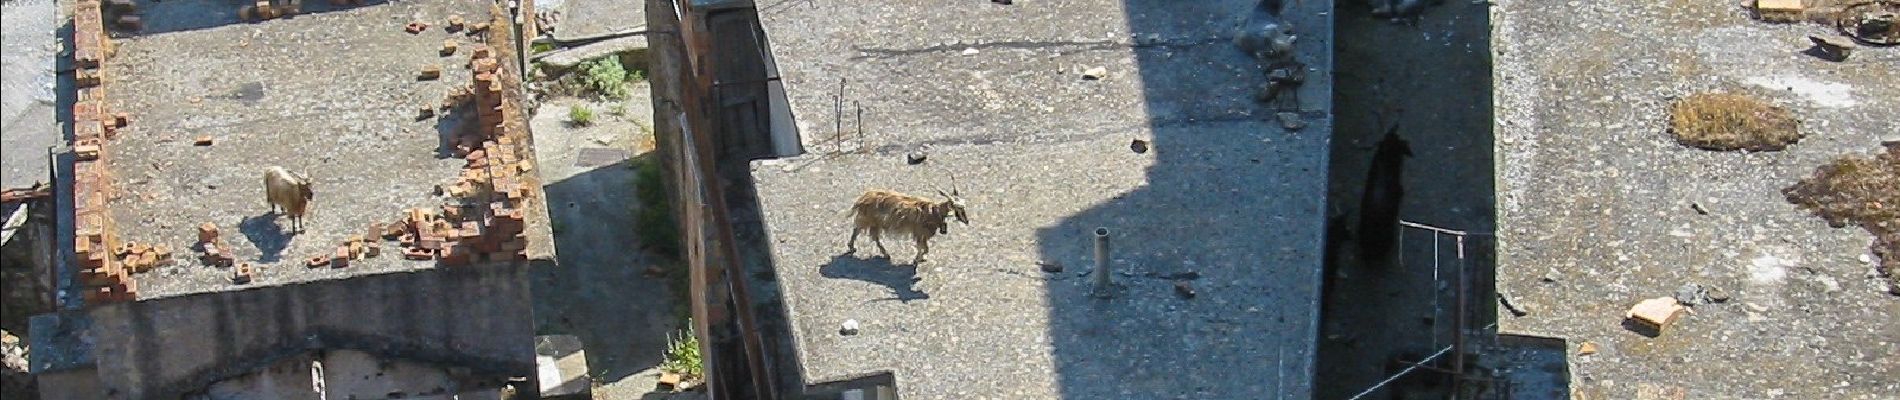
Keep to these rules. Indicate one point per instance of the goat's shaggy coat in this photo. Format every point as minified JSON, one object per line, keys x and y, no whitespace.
{"x":878,"y":211}
{"x":289,"y":191}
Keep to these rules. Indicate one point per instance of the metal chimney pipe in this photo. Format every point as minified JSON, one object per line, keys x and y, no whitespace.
{"x":1102,"y":284}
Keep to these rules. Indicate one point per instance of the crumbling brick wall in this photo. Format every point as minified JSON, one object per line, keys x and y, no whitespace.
{"x":104,"y":278}
{"x":496,"y":187}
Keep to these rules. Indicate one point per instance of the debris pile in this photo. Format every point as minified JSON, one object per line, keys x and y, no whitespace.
{"x":211,"y":246}
{"x":262,"y":10}
{"x":484,"y":221}
{"x":140,"y":257}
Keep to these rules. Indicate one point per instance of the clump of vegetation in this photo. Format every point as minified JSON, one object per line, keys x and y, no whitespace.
{"x":1723,"y":122}
{"x":682,"y":357}
{"x":654,"y":222}
{"x":1864,"y":192}
{"x":539,"y":48}
{"x":580,"y":115}
{"x":606,"y":77}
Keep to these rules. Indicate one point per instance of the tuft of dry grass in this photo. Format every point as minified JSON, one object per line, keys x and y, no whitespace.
{"x":1724,"y":121}
{"x":1860,"y":191}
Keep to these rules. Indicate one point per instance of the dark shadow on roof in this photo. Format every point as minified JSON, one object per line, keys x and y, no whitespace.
{"x":1216,"y":205}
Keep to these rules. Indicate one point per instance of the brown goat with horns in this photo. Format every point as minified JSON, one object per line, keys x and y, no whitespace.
{"x":882,"y":210}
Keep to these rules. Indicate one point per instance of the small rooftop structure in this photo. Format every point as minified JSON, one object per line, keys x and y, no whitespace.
{"x":1223,"y":200}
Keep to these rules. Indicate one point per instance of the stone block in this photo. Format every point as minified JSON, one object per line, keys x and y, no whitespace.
{"x":430,"y":72}
{"x":1657,"y":313}
{"x":448,"y":47}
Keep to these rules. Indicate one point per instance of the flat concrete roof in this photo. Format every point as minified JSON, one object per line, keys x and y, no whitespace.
{"x":1596,"y":196}
{"x":27,"y":105}
{"x":994,"y":95}
{"x":333,"y":92}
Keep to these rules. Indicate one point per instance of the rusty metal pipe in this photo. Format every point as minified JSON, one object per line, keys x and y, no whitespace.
{"x":1102,"y":284}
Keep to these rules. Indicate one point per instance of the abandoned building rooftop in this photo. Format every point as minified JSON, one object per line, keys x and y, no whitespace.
{"x":335,"y":93}
{"x":1598,"y":209}
{"x":1215,"y":219}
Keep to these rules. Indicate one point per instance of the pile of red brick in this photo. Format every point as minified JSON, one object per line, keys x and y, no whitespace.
{"x":96,"y":240}
{"x":213,"y":251}
{"x":140,"y":257}
{"x":356,"y":248}
{"x":485,"y":223}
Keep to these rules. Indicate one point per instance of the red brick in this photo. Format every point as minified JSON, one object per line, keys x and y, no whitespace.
{"x":86,"y":152}
{"x":88,"y":77}
{"x":455,"y":255}
{"x":415,"y":27}
{"x":418,"y":254}
{"x":341,"y":258}
{"x":207,"y":232}
{"x":317,"y":262}
{"x":241,"y":274}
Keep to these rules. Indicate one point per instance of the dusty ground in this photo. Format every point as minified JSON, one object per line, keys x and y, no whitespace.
{"x":1598,"y":207}
{"x":27,"y":112}
{"x":332,"y":93}
{"x":598,"y":291}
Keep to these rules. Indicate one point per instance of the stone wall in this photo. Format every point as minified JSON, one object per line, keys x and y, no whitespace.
{"x":479,"y":318}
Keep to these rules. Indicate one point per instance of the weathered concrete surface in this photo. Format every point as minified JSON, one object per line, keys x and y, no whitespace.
{"x":598,"y":292}
{"x":347,"y":374}
{"x":1595,"y":196}
{"x":1043,"y":155}
{"x":334,"y":94}
{"x":574,"y":19}
{"x":476,"y":318}
{"x":28,"y":124}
